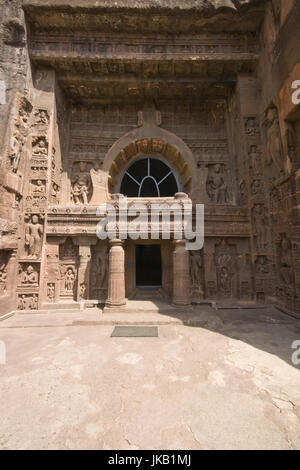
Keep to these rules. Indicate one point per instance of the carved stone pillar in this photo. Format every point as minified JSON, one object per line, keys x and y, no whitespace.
{"x":181,"y":274}
{"x":116,"y":275}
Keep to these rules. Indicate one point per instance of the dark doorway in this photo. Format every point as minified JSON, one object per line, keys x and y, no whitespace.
{"x":148,"y":265}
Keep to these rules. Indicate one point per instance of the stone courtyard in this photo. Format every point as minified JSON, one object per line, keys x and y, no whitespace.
{"x":213,"y":379}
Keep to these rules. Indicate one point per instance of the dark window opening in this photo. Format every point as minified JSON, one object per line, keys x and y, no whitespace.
{"x":149,"y":177}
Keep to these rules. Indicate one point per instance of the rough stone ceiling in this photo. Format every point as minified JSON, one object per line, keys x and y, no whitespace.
{"x":149,"y":16}
{"x":65,"y":37}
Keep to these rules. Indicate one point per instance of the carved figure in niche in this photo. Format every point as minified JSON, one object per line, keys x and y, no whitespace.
{"x":38,"y":187}
{"x":225,"y":269}
{"x":69,"y":280}
{"x":158,"y":145}
{"x":262,"y":265}
{"x":260,"y":227}
{"x":22,"y":304}
{"x":251,"y":126}
{"x":82,"y":290}
{"x":195,"y":272}
{"x":40,"y":147}
{"x":51,"y":292}
{"x":42,"y":117}
{"x":243,"y":192}
{"x":28,"y":302}
{"x":54,"y":190}
{"x":256,"y":187}
{"x":274,"y":145}
{"x":285,"y":260}
{"x":216,"y":186}
{"x":143,"y":145}
{"x":255,"y":160}
{"x":224,"y":280}
{"x":30,"y":276}
{"x":33,"y":237}
{"x":33,"y":302}
{"x":81,"y":185}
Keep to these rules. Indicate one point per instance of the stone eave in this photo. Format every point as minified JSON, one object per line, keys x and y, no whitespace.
{"x":170,"y":16}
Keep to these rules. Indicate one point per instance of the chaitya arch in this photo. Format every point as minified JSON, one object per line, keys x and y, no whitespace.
{"x":150,"y":141}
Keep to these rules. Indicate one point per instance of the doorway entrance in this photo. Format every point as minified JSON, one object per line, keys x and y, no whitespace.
{"x":148,"y":266}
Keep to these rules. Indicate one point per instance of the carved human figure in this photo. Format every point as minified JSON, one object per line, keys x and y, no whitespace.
{"x":255,"y":160}
{"x":30,"y":276}
{"x":195,"y":267}
{"x":216,"y":186}
{"x":33,"y":237}
{"x":224,"y":263}
{"x":38,"y":187}
{"x":33,"y":302}
{"x":81,"y":185}
{"x":195,"y":273}
{"x":40,"y":147}
{"x":262,"y":265}
{"x":256,"y":187}
{"x":274,"y":145}
{"x":54,"y":190}
{"x":42,"y":117}
{"x":22,"y":304}
{"x":224,"y":280}
{"x":260,"y":229}
{"x":251,"y":127}
{"x":69,"y":280}
{"x":51,"y":291}
{"x":286,"y":264}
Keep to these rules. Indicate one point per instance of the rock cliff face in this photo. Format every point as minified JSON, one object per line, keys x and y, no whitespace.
{"x":89,"y":87}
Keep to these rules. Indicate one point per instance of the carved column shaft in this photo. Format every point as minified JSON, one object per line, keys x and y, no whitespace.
{"x":181,"y":274}
{"x":116,"y":275}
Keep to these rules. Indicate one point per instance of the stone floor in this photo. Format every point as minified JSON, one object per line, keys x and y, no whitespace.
{"x":213,"y":379}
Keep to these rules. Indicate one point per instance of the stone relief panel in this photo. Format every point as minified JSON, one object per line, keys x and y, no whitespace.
{"x":27,"y":301}
{"x":20,"y":132}
{"x":197,"y":275}
{"x":51,"y":291}
{"x":226,"y":269}
{"x":34,"y":230}
{"x":40,"y":147}
{"x":81,"y":184}
{"x":260,"y":226}
{"x":68,"y":269}
{"x":216,"y":185}
{"x":28,"y":275}
{"x":255,"y":161}
{"x":251,"y":126}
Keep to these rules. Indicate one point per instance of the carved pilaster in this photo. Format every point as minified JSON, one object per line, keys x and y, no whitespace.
{"x":181,"y":274}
